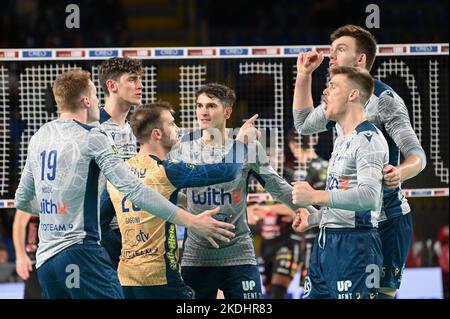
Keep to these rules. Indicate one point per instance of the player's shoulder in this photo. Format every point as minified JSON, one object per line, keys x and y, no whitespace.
{"x":86,"y":127}
{"x":191,"y":136}
{"x":367,"y":132}
{"x":381,"y":89}
{"x":104,"y":116}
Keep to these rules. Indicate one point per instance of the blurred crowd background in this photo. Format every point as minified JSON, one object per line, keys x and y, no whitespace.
{"x":106,"y":23}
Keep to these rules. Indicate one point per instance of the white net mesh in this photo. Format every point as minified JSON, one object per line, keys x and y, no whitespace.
{"x":401,"y":69}
{"x":273,"y":124}
{"x":192,"y":77}
{"x":263,"y":86}
{"x":35,"y":97}
{"x":435,"y":150}
{"x":4,"y":130}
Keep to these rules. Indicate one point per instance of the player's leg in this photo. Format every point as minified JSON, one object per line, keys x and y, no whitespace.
{"x":352,"y":263}
{"x":112,"y":243}
{"x":284,"y":270}
{"x":32,"y":287}
{"x":128,"y":292}
{"x":241,"y":282}
{"x":111,"y":239}
{"x":265,"y":263}
{"x":158,"y":292}
{"x":396,"y":236}
{"x":315,"y":286}
{"x":203,"y":280}
{"x":51,"y":286}
{"x":88,"y":273}
{"x":175,"y":288}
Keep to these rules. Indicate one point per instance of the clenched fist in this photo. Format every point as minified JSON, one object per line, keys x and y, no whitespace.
{"x":391,"y":176}
{"x":300,"y":223}
{"x":302,"y":194}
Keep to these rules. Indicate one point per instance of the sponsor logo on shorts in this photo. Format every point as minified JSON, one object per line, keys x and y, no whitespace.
{"x":343,"y":286}
{"x":248,"y":286}
{"x":191,"y":166}
{"x":307,"y":287}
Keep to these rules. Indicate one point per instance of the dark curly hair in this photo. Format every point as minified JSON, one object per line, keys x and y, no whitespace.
{"x":219,"y":91}
{"x":114,"y":68}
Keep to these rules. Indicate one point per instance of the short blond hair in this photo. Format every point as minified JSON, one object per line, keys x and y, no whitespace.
{"x":360,"y":78}
{"x":69,"y":87}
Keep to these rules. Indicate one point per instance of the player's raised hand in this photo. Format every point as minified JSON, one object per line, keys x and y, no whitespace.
{"x":307,"y":62}
{"x":391,"y":176}
{"x":300,"y":223}
{"x":206,"y":226}
{"x":302,"y":193}
{"x":248,"y":132}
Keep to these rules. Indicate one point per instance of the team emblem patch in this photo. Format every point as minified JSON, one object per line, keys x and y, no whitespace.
{"x":307,"y":287}
{"x":368,"y":135}
{"x":114,"y":148}
{"x":191,"y":166}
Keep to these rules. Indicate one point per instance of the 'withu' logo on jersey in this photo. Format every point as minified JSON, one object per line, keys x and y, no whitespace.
{"x":217,"y":197}
{"x":49,"y":207}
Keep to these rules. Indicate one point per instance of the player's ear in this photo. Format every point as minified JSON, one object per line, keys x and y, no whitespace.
{"x":156,"y":133}
{"x":85,"y":101}
{"x":362,"y":58}
{"x":111,"y":85}
{"x":354,"y":94}
{"x":228,"y":111}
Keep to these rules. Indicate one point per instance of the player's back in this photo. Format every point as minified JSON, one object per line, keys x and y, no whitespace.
{"x":66,"y":180}
{"x":388,"y":112}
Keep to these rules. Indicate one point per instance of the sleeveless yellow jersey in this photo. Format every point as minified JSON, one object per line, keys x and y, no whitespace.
{"x":149,"y":243}
{"x":150,"y":254}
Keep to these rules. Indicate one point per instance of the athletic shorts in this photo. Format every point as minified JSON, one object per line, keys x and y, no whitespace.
{"x":81,"y":271}
{"x":396,"y":237}
{"x":236,"y":282}
{"x":345,"y":264}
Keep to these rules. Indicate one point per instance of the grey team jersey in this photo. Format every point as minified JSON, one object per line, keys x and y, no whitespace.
{"x":125,"y":142}
{"x":231,"y":197}
{"x":354,"y":181}
{"x":387,"y":111}
{"x":123,"y":137}
{"x":62,"y":174}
